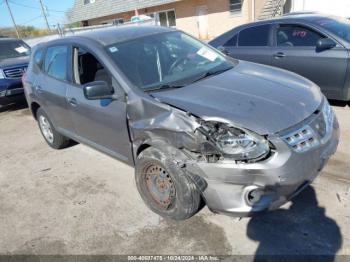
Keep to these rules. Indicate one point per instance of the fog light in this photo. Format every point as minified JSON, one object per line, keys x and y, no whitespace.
{"x":253,"y":195}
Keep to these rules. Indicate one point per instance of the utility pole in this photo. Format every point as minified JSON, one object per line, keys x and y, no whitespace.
{"x":13,"y":19}
{"x":44,"y":14}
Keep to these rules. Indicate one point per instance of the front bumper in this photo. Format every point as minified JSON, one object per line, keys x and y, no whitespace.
{"x":277,"y":179}
{"x":11,"y":90}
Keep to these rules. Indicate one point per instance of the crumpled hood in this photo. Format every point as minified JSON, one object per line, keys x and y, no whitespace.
{"x":260,"y":98}
{"x":13,"y":62}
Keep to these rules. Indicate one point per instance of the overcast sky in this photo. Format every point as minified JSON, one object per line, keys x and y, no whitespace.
{"x":28,"y":12}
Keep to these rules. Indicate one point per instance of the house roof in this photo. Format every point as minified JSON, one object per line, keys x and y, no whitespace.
{"x":101,"y":8}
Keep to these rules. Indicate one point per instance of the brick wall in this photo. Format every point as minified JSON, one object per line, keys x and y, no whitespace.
{"x":219,"y":18}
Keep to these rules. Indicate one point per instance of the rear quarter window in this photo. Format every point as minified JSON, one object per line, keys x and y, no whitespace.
{"x":37,"y":60}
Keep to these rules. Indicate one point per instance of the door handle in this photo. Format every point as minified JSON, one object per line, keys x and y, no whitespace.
{"x":279,"y":55}
{"x":39,"y":89}
{"x":73,"y":101}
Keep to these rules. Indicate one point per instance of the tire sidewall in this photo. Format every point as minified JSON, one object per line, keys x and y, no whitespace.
{"x":186,"y":193}
{"x":39,"y":113}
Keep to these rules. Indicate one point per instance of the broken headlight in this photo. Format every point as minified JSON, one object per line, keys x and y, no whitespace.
{"x":237,"y":143}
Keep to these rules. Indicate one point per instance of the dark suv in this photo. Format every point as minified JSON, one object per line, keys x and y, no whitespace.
{"x":196,"y":125}
{"x":14,"y":58}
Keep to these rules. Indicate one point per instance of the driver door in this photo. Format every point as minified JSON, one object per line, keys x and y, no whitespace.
{"x":101,"y":124}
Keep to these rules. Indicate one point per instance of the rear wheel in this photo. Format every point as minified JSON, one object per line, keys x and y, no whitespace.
{"x":52,"y":137}
{"x":164,"y":186}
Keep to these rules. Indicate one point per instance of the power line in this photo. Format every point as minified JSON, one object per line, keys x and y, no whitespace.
{"x":13,"y":19}
{"x":44,"y":14}
{"x":31,"y":20}
{"x":34,"y":7}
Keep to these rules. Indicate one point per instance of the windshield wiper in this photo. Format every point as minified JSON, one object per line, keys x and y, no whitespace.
{"x":211,"y":73}
{"x":165,"y":86}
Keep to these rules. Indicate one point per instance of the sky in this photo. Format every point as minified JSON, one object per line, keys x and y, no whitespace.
{"x":28,"y":12}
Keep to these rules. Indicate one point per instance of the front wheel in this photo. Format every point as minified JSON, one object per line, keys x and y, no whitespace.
{"x":52,"y":137}
{"x":164,"y":186}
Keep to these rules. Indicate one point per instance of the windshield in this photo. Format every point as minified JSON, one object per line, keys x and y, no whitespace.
{"x":338,"y":26}
{"x":166,"y":60}
{"x":13,"y":49}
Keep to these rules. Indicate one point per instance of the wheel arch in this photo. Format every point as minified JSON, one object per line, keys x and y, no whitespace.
{"x":34,"y":106}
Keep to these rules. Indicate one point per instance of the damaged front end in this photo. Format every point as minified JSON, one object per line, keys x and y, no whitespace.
{"x":237,"y":171}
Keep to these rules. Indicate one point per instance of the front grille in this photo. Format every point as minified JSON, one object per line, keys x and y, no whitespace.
{"x":316,"y":131}
{"x":15,"y":72}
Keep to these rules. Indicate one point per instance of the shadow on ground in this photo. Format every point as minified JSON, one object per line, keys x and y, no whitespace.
{"x":339,"y":103}
{"x":303,"y":229}
{"x":13,"y":107}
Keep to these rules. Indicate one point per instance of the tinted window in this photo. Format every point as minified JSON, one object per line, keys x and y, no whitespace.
{"x":232,"y":41}
{"x":295,"y":35}
{"x":56,"y":62}
{"x":254,"y":36}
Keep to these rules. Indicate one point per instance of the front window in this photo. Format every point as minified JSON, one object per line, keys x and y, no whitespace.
{"x":166,"y":60}
{"x":338,"y":26}
{"x":13,"y":49}
{"x":296,"y":35}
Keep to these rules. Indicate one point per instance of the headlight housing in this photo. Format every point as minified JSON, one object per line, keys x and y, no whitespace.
{"x":237,"y":143}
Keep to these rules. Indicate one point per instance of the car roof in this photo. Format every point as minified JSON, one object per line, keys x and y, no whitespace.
{"x":307,"y":17}
{"x":117,"y":34}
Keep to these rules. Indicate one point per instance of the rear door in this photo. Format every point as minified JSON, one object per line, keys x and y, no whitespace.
{"x":295,"y":50}
{"x":52,"y":84}
{"x":101,"y":124}
{"x":251,"y":44}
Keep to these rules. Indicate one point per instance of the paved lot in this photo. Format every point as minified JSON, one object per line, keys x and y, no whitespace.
{"x":78,"y":201}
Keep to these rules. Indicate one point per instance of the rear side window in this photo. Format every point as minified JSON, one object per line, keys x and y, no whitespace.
{"x":254,"y":36}
{"x":295,"y":35}
{"x":56,"y":62}
{"x":38,"y":59}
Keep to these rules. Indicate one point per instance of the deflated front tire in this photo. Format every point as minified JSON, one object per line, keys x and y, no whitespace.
{"x":164,"y":186}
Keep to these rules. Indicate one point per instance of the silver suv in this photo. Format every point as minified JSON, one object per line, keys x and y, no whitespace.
{"x":199,"y":127}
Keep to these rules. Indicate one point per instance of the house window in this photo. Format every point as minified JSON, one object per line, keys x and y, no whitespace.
{"x":165,"y":18}
{"x":118,"y":21}
{"x":235,"y":6}
{"x":86,"y":2}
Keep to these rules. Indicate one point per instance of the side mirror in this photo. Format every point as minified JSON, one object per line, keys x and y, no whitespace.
{"x":98,"y":90}
{"x":326,"y":43}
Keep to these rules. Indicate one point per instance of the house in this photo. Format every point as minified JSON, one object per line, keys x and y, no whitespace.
{"x":334,"y":7}
{"x":201,"y":18}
